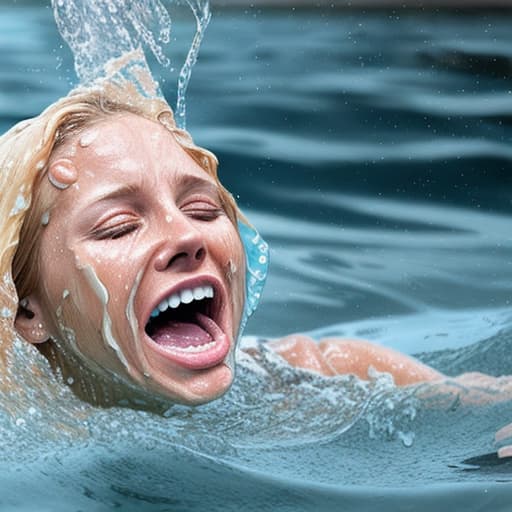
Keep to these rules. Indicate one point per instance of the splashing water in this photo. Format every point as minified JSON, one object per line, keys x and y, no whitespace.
{"x":202,"y":15}
{"x":256,"y":256}
{"x":99,"y":32}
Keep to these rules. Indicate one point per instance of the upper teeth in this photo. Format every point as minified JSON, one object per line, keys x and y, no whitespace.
{"x":185,"y":296}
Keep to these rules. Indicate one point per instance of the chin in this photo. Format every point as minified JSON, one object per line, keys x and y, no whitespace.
{"x":201,"y":387}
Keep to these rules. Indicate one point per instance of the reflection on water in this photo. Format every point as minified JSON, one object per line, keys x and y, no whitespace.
{"x":388,"y":257}
{"x":373,"y":152}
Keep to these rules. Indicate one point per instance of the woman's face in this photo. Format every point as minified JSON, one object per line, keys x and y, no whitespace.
{"x":142,"y":270}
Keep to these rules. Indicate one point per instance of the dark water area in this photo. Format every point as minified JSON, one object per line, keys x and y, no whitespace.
{"x":376,"y":149}
{"x":372,"y":151}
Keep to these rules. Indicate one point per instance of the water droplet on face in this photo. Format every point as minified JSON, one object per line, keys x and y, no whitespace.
{"x":5,"y":312}
{"x":65,"y":294}
{"x":20,"y":205}
{"x":168,"y":219}
{"x":45,"y":218}
{"x":72,"y":150}
{"x":40,"y":165}
{"x":62,"y":174}
{"x":88,"y":138}
{"x":78,"y":263}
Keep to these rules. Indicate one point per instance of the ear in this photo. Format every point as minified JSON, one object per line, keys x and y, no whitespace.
{"x":29,"y":321}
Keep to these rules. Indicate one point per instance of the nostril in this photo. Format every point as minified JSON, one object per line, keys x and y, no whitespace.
{"x":176,"y":257}
{"x":181,"y":259}
{"x":199,"y":255}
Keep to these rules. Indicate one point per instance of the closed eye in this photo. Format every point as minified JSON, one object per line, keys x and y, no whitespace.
{"x":117,"y":227}
{"x":202,"y":210}
{"x":115,"y":232}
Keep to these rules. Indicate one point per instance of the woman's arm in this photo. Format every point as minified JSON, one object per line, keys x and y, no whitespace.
{"x":332,"y":356}
{"x":342,"y":356}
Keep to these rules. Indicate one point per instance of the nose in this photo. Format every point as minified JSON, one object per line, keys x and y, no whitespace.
{"x":183,"y":248}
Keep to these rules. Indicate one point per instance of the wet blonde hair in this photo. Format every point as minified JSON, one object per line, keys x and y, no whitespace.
{"x":25,"y":152}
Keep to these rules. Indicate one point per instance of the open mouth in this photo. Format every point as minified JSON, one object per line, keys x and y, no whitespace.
{"x":185,"y":327}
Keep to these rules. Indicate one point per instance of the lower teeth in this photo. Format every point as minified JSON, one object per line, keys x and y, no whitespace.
{"x":195,"y":348}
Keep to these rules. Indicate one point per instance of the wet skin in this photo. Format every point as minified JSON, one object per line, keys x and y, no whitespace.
{"x":334,"y":356}
{"x":143,"y":220}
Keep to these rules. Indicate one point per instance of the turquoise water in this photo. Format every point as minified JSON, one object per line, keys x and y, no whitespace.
{"x":372,"y":150}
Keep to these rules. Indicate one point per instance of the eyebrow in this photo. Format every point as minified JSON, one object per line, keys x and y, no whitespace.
{"x":122,"y":192}
{"x":190,"y":180}
{"x":131,"y":190}
{"x":191,"y":183}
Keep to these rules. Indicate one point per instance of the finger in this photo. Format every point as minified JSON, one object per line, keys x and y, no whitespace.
{"x":503,"y":433}
{"x":505,"y":451}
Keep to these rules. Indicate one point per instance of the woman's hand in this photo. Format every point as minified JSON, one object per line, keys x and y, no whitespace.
{"x":502,"y":437}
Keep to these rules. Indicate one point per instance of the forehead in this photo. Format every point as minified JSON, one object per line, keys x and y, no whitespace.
{"x":128,"y":147}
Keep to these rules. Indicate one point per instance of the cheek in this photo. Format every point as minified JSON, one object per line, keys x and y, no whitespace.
{"x":227,"y":249}
{"x":237,"y":269}
{"x":75,"y":279}
{"x":232,"y":259}
{"x":105,"y":281}
{"x":115,"y":266}
{"x":87,"y":297}
{"x":56,"y":268}
{"x":70,"y":301}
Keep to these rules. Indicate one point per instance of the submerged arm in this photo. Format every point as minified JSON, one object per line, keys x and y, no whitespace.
{"x":341,"y":356}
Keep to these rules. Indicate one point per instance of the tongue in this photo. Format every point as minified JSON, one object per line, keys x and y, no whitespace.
{"x":181,"y":335}
{"x":186,"y":334}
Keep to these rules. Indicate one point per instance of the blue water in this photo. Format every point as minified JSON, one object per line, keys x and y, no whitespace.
{"x":372,"y":150}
